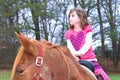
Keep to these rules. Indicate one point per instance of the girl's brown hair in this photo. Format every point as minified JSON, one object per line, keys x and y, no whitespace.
{"x":82,"y":16}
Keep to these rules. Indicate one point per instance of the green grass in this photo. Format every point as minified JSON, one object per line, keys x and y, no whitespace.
{"x":115,"y":77}
{"x":5,"y":75}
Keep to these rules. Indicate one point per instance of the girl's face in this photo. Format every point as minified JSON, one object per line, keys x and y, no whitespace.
{"x":74,"y":19}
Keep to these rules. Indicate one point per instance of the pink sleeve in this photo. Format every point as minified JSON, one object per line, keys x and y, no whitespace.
{"x":67,"y":34}
{"x":88,"y":28}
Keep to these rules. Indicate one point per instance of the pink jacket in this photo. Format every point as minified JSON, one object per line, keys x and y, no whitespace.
{"x":81,"y":43}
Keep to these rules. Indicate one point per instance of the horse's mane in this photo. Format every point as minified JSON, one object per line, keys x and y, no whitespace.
{"x":64,"y":49}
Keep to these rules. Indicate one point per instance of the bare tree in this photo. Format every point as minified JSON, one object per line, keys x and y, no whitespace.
{"x":101,"y":28}
{"x":113,"y":33}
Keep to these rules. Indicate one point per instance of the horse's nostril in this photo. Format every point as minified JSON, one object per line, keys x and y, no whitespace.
{"x":19,"y":71}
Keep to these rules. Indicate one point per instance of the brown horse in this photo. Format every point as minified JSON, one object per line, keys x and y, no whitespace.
{"x":42,"y":60}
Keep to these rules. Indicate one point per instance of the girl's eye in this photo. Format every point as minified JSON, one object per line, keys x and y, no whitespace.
{"x":72,"y":15}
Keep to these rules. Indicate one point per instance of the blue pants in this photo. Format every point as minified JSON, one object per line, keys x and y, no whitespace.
{"x":88,"y":64}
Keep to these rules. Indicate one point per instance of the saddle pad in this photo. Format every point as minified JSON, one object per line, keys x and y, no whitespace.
{"x":89,"y":71}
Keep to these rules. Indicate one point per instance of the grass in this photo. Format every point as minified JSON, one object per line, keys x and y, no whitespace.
{"x":5,"y":75}
{"x":115,"y":77}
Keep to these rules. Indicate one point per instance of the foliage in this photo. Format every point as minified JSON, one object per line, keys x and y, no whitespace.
{"x":108,"y":52}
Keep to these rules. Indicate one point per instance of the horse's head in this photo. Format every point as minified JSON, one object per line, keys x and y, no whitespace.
{"x":25,"y":67}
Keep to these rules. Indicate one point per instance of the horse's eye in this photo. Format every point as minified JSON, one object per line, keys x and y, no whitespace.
{"x":19,"y":71}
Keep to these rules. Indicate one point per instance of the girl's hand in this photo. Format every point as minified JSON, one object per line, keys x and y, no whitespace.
{"x":77,"y":58}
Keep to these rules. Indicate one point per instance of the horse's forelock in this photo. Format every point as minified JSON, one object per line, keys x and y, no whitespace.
{"x":17,"y":60}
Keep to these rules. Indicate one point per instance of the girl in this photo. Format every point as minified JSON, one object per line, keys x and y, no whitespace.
{"x":79,"y":41}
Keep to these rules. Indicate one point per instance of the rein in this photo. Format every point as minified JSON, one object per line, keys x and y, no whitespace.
{"x":65,"y":59}
{"x":39,"y":63}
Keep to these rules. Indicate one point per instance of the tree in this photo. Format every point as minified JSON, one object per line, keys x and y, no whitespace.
{"x":113,"y":33}
{"x":101,"y":28}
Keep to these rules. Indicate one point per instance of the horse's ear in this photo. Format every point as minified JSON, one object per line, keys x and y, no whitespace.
{"x":25,"y":42}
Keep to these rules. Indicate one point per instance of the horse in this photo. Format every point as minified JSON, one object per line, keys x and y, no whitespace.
{"x":43,"y":60}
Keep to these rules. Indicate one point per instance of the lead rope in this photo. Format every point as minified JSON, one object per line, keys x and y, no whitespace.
{"x":67,"y":64}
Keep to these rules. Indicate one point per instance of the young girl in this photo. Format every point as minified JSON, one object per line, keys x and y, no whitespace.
{"x":79,"y":41}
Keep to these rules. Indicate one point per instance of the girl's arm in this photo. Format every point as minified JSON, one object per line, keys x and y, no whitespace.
{"x":72,"y":50}
{"x":86,"y":46}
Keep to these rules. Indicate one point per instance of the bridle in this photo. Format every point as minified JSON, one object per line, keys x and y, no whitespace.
{"x":39,"y":63}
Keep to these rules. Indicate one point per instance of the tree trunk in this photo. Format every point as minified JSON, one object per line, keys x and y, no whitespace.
{"x":113,"y":34}
{"x":75,"y":3}
{"x":36,"y":22}
{"x":101,"y":29}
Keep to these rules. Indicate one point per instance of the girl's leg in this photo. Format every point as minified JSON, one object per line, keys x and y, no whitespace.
{"x":88,"y":64}
{"x":99,"y":72}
